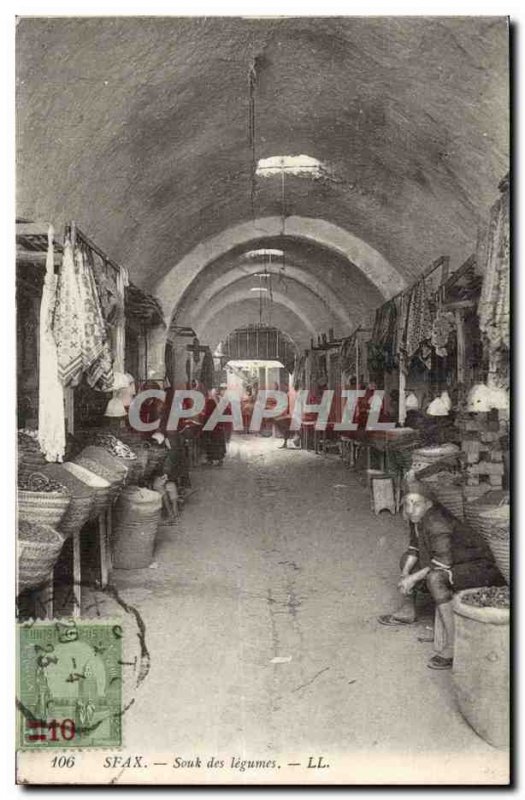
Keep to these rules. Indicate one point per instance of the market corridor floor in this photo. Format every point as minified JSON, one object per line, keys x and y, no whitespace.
{"x":260,"y":615}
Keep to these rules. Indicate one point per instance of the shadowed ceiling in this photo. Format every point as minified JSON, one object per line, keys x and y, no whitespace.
{"x":138,"y":129}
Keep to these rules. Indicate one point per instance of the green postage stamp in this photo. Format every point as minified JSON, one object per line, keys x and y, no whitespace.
{"x":69,"y":684}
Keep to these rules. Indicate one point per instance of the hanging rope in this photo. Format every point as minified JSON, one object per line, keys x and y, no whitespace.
{"x":252,"y":86}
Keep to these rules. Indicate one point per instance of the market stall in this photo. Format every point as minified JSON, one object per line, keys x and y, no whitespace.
{"x":72,"y":463}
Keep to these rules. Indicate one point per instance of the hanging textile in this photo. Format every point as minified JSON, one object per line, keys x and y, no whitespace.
{"x":494,"y":304}
{"x":419,"y":324}
{"x":384,"y":333}
{"x":375,"y":355}
{"x":444,"y":324}
{"x":401,"y":302}
{"x":78,"y":325}
{"x":299,"y":374}
{"x":319,"y":371}
{"x":96,"y":357}
{"x":347,"y":355}
{"x":111,"y":299}
{"x":111,"y":286}
{"x":68,"y":321}
{"x":385,"y":324}
{"x":51,"y":422}
{"x":119,"y":331}
{"x":169,"y":360}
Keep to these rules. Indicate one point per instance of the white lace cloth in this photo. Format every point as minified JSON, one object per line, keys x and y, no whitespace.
{"x":51,"y":418}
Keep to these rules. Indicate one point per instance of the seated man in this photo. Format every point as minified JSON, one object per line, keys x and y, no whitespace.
{"x":444,"y":553}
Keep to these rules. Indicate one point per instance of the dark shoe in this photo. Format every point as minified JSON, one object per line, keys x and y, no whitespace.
{"x":440,"y":662}
{"x":392,"y":620}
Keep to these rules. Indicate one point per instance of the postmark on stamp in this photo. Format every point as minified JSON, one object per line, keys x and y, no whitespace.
{"x":70,"y":684}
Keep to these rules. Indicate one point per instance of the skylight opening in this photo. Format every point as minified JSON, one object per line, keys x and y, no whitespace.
{"x":290,"y":165}
{"x":264,"y":252}
{"x":258,"y":289}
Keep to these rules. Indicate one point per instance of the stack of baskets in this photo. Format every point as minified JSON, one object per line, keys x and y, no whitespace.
{"x":490,"y":516}
{"x":101,"y":488}
{"x":424,"y":457}
{"x":135,"y":524}
{"x":38,"y":549}
{"x":82,"y":499}
{"x":41,"y":499}
{"x":450,"y":496}
{"x":30,"y":459}
{"x":494,"y":526}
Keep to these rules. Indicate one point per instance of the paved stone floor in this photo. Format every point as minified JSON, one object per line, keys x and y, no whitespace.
{"x":278,"y":556}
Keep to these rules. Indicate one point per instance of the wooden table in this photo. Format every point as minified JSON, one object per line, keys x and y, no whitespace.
{"x":45,"y":596}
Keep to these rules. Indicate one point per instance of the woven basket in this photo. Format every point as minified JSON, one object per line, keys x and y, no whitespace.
{"x":82,"y":499}
{"x":119,"y":467}
{"x":472,"y":494}
{"x":97,"y":460}
{"x":486,"y":502}
{"x":134,"y":468}
{"x":494,"y":526}
{"x":135,"y":524}
{"x":30,"y":459}
{"x":30,"y":462}
{"x":44,"y":508}
{"x":450,"y":497}
{"x":38,"y":548}
{"x":101,"y":488}
{"x":132,"y":438}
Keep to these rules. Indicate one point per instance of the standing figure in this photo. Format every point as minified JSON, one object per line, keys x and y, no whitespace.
{"x":215,"y":440}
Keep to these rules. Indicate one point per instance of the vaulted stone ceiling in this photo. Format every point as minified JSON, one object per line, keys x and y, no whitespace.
{"x":138,"y":129}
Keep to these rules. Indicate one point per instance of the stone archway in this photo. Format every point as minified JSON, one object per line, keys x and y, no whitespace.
{"x":171,"y":288}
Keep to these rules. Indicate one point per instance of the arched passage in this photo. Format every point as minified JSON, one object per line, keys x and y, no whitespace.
{"x":171,"y":288}
{"x":239,"y":273}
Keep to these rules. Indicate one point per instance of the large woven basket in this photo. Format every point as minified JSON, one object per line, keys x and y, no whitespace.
{"x":44,"y":508}
{"x":38,"y":549}
{"x":134,"y":467}
{"x":97,"y":460}
{"x":118,"y":466}
{"x":485,"y":502}
{"x":450,"y":497}
{"x":101,"y":488}
{"x":29,"y":463}
{"x":494,"y":526}
{"x":82,"y":499}
{"x":135,"y":524}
